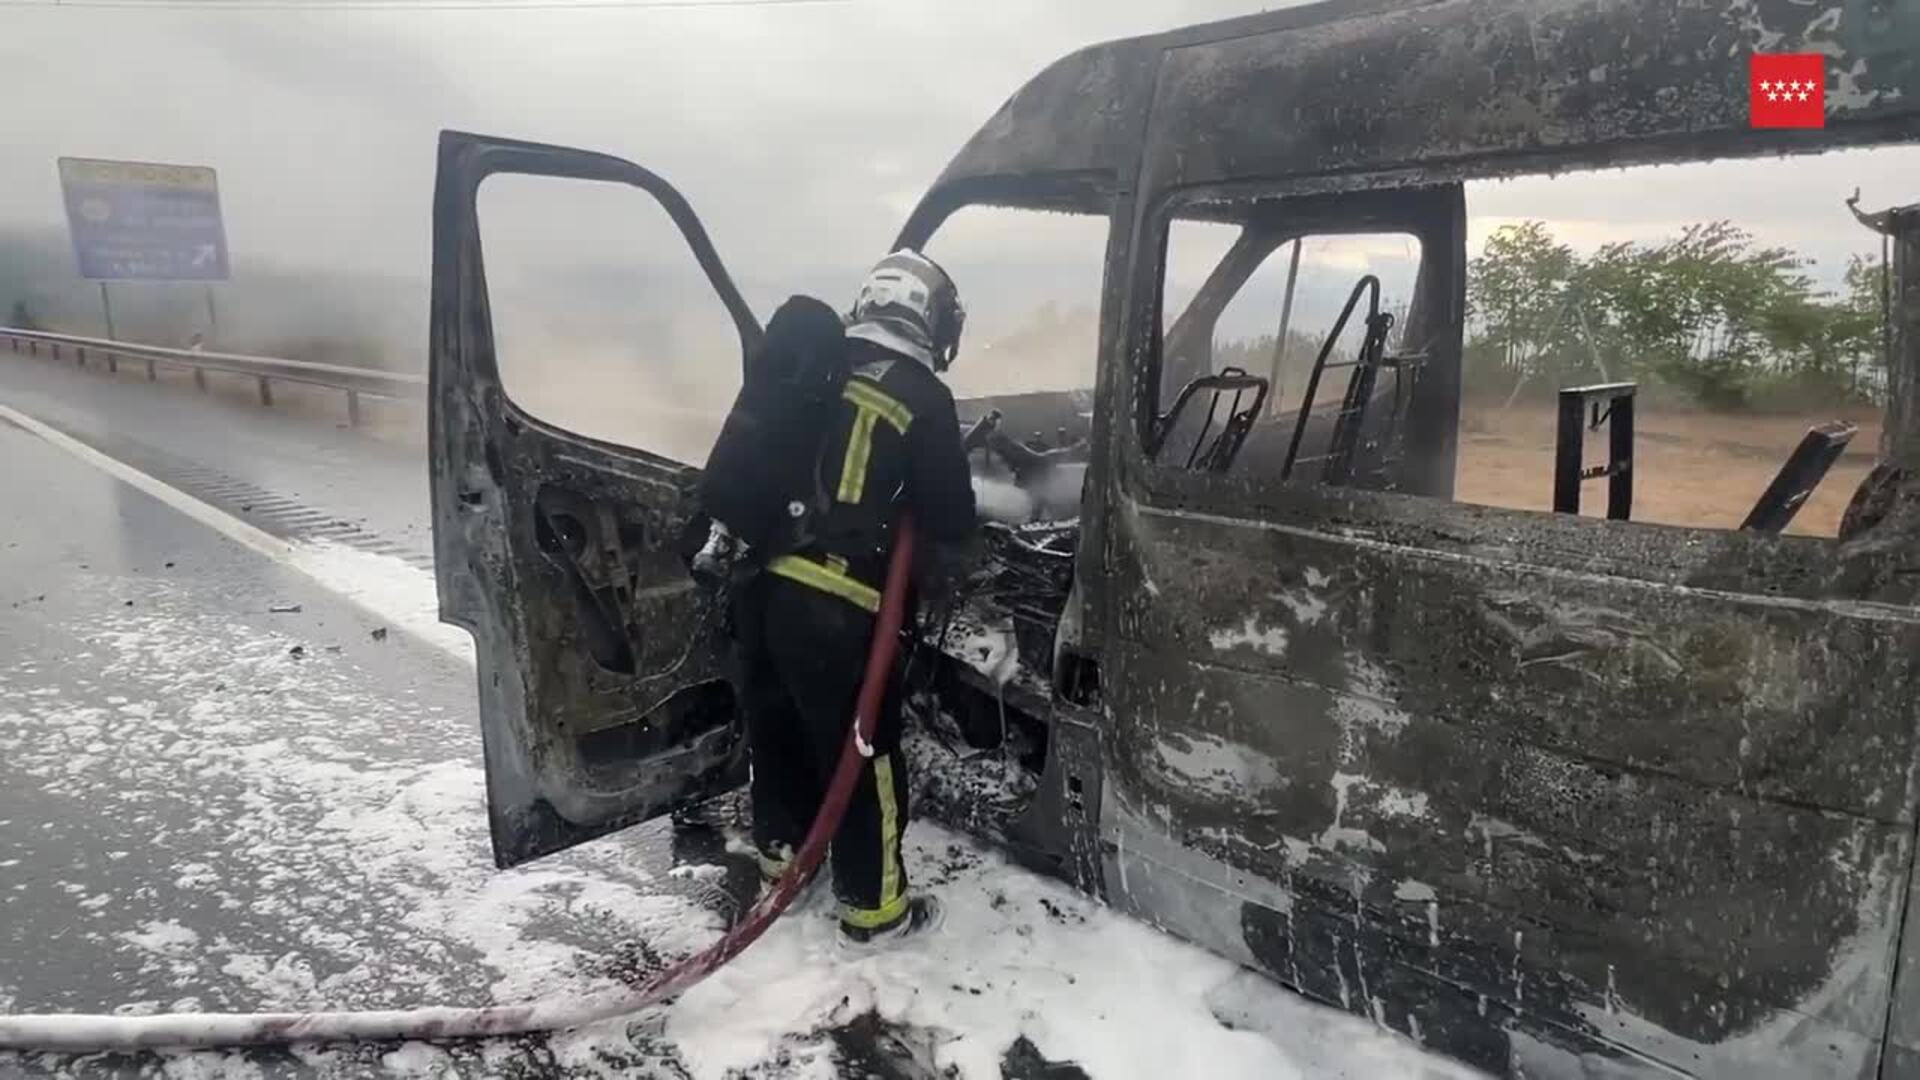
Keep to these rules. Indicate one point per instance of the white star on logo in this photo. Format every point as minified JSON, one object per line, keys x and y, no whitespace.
{"x":1803,"y":95}
{"x":1773,"y":97}
{"x":1765,"y":86}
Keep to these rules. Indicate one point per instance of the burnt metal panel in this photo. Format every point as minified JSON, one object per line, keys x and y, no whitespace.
{"x":1670,"y":819}
{"x":1418,"y":85}
{"x":1886,"y":514}
{"x":1082,"y":113}
{"x":1490,"y":87}
{"x":1903,"y":340}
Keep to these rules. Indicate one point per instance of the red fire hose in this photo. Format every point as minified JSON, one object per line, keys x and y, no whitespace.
{"x":78,"y":1031}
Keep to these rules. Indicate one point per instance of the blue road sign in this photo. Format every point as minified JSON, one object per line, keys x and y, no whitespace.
{"x":136,"y":221}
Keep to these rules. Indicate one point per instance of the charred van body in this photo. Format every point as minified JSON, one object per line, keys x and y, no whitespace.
{"x":1559,"y":796}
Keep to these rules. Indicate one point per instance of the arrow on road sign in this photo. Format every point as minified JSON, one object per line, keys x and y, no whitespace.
{"x":203,"y":255}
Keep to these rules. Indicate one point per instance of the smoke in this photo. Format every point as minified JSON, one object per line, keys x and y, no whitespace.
{"x":1057,"y":493}
{"x":998,"y":500}
{"x":1054,"y":496}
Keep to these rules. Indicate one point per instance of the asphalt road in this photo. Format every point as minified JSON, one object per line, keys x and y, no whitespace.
{"x":215,"y":777}
{"x":301,"y":474}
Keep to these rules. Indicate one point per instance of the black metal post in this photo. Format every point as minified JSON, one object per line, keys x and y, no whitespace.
{"x":1569,"y":435}
{"x":1620,"y":459}
{"x":1570,"y":447}
{"x":1798,"y":478}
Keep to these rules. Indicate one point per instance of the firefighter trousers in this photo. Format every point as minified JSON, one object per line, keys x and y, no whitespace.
{"x":802,"y":655}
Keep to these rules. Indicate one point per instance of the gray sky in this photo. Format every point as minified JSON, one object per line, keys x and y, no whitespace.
{"x":801,"y":134}
{"x":807,"y":126}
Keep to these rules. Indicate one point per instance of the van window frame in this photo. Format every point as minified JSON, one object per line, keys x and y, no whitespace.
{"x":1299,"y":210}
{"x":1260,"y":497}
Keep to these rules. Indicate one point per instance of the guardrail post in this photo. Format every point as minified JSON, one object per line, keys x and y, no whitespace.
{"x":200,"y":379}
{"x":150,"y":375}
{"x":353,"y":408}
{"x":266,"y":392}
{"x":33,"y":348}
{"x":113,"y":363}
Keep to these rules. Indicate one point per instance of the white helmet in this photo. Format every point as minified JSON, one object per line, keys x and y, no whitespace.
{"x":908,"y":304}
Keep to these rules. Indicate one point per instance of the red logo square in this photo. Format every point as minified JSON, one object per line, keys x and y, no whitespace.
{"x":1787,"y":90}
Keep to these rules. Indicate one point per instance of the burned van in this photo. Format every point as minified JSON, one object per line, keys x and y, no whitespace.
{"x":1556,"y":794}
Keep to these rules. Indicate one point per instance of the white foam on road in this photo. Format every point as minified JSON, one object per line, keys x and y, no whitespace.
{"x":1020,"y":955}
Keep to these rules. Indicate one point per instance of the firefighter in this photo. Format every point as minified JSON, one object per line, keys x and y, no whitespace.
{"x":890,"y":444}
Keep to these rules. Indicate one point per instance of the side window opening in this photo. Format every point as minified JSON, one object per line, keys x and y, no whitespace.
{"x":1753,"y":343}
{"x":604,"y":324}
{"x":1249,"y":309}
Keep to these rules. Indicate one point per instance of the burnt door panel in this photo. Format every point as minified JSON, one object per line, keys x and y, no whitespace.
{"x":1627,"y":790}
{"x":603,"y":696}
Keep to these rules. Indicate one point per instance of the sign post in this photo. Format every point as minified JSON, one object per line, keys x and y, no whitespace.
{"x":106,"y":312}
{"x":139,"y":221}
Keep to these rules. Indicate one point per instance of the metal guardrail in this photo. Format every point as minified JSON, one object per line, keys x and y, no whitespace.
{"x":266,"y":370}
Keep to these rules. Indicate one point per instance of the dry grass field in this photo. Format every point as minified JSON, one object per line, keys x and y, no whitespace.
{"x":1691,"y":468}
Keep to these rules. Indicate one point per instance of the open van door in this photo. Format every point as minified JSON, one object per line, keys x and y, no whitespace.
{"x":603,"y":692}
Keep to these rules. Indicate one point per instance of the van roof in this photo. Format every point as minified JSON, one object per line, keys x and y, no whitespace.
{"x":1401,"y":91}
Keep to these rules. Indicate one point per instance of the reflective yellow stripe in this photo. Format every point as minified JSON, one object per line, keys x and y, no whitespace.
{"x":870,"y":398}
{"x":853,"y":471}
{"x":870,"y":404}
{"x":890,"y":891}
{"x":874,"y":918}
{"x":827,"y":579}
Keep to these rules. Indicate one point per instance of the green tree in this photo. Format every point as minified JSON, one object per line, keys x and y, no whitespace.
{"x":1860,"y":328}
{"x":1518,"y":295}
{"x":1707,"y":313}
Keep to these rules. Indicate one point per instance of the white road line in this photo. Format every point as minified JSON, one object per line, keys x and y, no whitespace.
{"x":335,"y":567}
